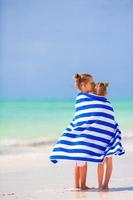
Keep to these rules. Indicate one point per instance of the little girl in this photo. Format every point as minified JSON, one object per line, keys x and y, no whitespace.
{"x":101,"y":90}
{"x":84,"y":83}
{"x":93,"y":134}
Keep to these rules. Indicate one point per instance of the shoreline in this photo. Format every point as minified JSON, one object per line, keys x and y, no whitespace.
{"x":33,"y":144}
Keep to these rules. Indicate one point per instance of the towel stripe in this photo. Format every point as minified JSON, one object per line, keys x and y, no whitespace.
{"x":86,"y":144}
{"x":92,"y":135}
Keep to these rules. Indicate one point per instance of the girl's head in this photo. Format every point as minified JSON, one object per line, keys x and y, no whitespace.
{"x":101,"y":89}
{"x":84,"y":82}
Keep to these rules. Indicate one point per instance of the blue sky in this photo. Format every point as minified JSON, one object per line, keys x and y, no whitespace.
{"x":45,"y":42}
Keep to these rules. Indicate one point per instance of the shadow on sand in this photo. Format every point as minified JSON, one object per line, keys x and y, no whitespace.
{"x":120,"y":189}
{"x":113,"y":189}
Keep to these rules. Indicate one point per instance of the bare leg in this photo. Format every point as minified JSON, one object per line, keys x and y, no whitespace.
{"x":83,"y":174}
{"x":100,"y":172}
{"x":108,"y":172}
{"x":76,"y":176}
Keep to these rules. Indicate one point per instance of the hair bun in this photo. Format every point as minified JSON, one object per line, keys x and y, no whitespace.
{"x":106,"y":84}
{"x":77,"y":76}
{"x":101,"y":84}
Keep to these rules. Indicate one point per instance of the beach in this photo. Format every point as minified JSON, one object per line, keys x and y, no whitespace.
{"x":26,"y":140}
{"x":59,"y":62}
{"x":27,"y":174}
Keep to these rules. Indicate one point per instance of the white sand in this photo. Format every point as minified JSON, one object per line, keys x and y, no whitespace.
{"x":27,"y":174}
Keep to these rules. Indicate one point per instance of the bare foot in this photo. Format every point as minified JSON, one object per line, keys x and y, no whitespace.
{"x":86,"y":188}
{"x":105,"y":187}
{"x":77,"y":187}
{"x":100,"y":188}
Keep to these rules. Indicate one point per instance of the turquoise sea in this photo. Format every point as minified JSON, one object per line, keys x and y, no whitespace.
{"x":26,"y":119}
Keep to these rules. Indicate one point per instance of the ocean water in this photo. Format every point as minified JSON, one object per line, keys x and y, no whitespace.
{"x":36,"y":120}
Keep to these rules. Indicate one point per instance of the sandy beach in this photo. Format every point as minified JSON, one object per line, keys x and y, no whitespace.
{"x":27,"y":174}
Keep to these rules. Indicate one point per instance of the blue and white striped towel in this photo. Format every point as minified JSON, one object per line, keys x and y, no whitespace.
{"x":93,"y":133}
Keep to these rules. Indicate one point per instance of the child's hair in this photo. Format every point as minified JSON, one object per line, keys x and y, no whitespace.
{"x":101,"y":89}
{"x":81,"y":78}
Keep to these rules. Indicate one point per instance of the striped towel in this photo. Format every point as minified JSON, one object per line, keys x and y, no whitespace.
{"x":93,"y":133}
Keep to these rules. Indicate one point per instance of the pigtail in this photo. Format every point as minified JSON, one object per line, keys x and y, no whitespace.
{"x":77,"y":76}
{"x":106,"y":84}
{"x":81,"y":78}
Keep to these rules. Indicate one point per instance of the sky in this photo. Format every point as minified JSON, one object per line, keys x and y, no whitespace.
{"x":44,"y":43}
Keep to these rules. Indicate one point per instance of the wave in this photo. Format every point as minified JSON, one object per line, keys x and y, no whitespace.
{"x":34,"y":142}
{"x":41,"y":141}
